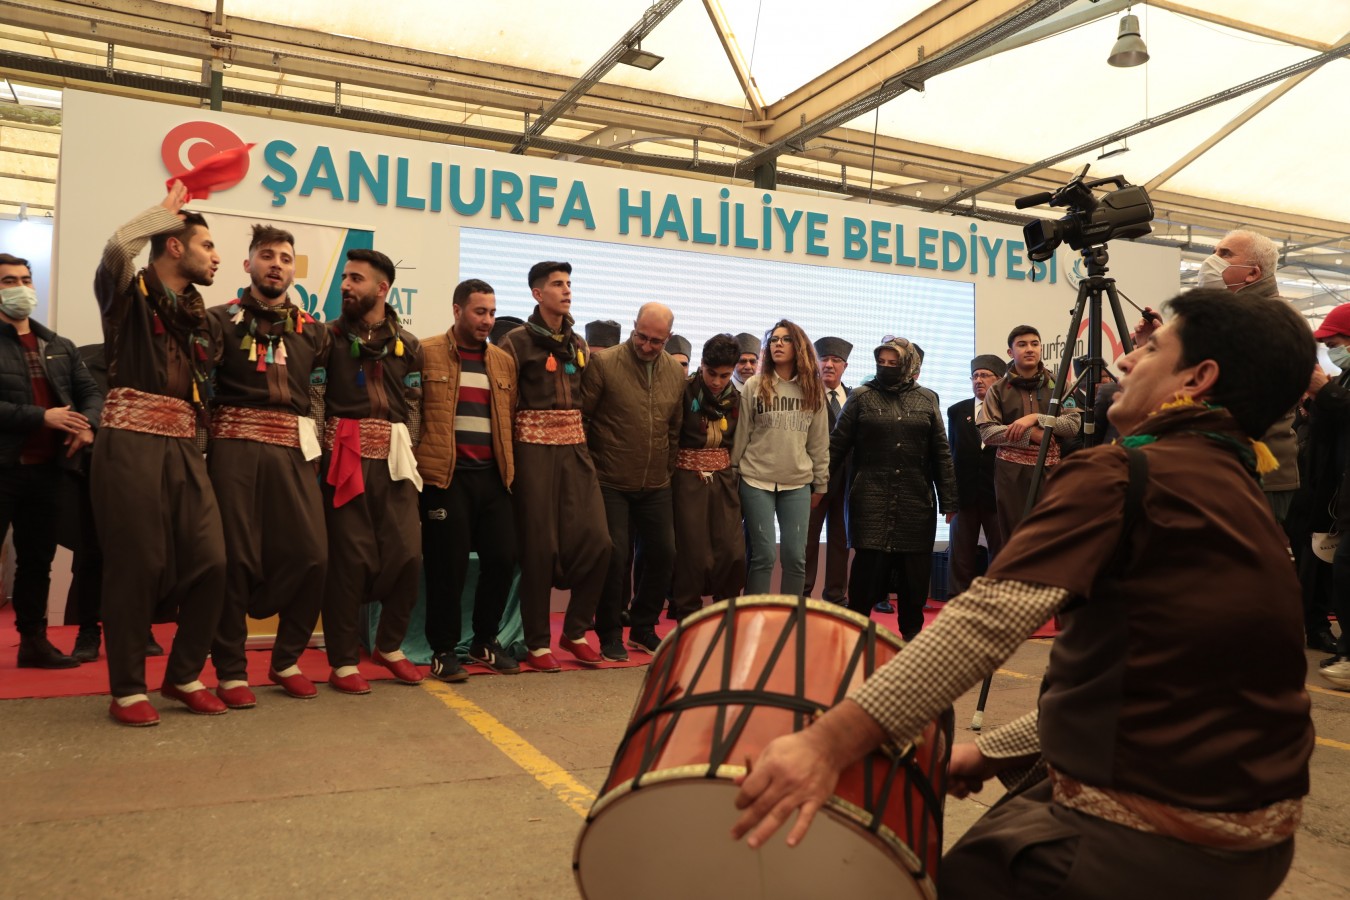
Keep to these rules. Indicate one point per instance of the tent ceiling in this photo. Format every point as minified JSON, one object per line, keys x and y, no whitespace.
{"x":478,"y":73}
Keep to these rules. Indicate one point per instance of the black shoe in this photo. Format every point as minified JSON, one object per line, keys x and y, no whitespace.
{"x":36,"y":652}
{"x":152,"y":647}
{"x":613,"y":651}
{"x":495,"y":658}
{"x":1322,"y":640}
{"x":643,"y":639}
{"x":446,"y":667}
{"x":86,"y":645}
{"x":884,"y":607}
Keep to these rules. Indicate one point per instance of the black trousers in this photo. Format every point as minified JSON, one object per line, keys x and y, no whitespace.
{"x":30,"y":502}
{"x":965,"y":544}
{"x":652,"y":518}
{"x":874,"y":571}
{"x":831,"y":511}
{"x":473,"y":514}
{"x":84,"y":600}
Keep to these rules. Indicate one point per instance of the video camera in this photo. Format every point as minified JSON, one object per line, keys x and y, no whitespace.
{"x":1123,"y":213}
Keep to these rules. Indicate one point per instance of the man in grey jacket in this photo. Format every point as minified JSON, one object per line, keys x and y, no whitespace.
{"x":631,"y":399}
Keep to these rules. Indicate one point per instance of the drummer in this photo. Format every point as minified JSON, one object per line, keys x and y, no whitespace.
{"x":1173,"y":721}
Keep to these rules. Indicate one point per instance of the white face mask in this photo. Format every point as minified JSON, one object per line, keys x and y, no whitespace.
{"x":1340,"y":357}
{"x":18,"y":302}
{"x":1211,"y":272}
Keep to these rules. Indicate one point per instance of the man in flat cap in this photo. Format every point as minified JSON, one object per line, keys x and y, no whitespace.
{"x":974,"y":464}
{"x":833,"y":355}
{"x":678,"y":347}
{"x":602,"y":334}
{"x":503,"y":326}
{"x":747,"y":360}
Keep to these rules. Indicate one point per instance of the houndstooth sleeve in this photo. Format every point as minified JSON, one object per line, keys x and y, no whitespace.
{"x":975,"y":633}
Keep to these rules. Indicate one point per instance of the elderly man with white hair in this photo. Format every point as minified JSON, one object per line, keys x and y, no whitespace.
{"x":1245,"y":261}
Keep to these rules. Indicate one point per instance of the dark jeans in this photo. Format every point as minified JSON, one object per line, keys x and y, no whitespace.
{"x":652,"y":518}
{"x":965,"y":544}
{"x":473,"y":514}
{"x":29,"y":501}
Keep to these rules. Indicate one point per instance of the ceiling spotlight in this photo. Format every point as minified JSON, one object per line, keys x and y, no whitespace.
{"x":1129,"y":49}
{"x":1109,"y":151}
{"x":642,"y":59}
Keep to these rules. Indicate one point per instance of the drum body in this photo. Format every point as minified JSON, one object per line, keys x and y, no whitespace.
{"x":723,"y":684}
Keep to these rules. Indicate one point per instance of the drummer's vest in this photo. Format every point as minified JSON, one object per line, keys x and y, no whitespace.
{"x":1198,"y":703}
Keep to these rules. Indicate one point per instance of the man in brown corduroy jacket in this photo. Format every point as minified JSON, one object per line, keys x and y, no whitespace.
{"x":467,"y":466}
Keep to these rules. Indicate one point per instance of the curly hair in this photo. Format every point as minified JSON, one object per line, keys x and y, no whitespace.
{"x":806,"y":369}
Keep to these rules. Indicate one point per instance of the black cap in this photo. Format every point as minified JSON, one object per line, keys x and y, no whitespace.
{"x":989,"y":361}
{"x":833,"y":346}
{"x":747,"y":343}
{"x":602,"y":333}
{"x":503,"y":325}
{"x":676,"y":344}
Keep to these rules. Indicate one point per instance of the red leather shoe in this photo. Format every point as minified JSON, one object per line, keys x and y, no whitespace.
{"x":544,"y":662}
{"x":581,"y":650}
{"x":237,"y":697}
{"x":137,"y":715}
{"x":402,"y":669}
{"x":297,"y":686}
{"x":201,"y":701}
{"x":349,"y":684}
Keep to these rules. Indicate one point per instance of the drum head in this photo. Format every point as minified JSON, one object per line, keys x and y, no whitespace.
{"x":671,"y":840}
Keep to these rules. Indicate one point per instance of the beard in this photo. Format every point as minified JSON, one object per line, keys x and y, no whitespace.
{"x":264,"y":289}
{"x":357,"y":307}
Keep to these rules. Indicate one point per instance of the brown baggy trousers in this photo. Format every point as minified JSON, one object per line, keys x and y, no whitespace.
{"x":709,"y":539}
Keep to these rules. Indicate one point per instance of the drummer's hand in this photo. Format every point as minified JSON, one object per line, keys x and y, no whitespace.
{"x":794,"y":772}
{"x":968,"y":770}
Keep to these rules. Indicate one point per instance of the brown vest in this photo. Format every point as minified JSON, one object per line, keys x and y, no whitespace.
{"x":1179,"y":674}
{"x":440,"y":396}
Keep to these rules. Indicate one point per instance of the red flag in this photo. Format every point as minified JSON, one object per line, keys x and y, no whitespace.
{"x":215,"y":173}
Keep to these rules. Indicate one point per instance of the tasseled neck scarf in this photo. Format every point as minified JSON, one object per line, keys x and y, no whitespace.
{"x":263,"y":328}
{"x":386,"y":337}
{"x":716,"y":411}
{"x":1186,"y":415}
{"x":563,"y":347}
{"x":183,"y":318}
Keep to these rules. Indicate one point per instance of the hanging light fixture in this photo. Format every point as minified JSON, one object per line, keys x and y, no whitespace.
{"x":1129,"y":49}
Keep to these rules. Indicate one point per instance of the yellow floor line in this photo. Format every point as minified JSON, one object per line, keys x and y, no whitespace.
{"x":520,"y":751}
{"x":1328,"y":742}
{"x":1330,"y":693}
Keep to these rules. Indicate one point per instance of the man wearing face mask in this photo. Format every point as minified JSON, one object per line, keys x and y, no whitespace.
{"x":49,"y":404}
{"x":1244,"y":262}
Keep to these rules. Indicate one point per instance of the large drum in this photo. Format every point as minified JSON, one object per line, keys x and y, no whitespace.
{"x":724,"y":683}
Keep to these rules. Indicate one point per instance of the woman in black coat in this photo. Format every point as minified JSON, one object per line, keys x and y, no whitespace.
{"x":900,"y":454}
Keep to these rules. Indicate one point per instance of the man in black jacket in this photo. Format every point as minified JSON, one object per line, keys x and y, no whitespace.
{"x":49,"y":406}
{"x":974,"y":463}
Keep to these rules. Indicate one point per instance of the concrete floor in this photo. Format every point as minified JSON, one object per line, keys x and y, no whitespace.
{"x":398,"y":794}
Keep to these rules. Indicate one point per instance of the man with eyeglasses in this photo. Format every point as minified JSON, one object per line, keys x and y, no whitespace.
{"x":973,"y":460}
{"x":631,"y":398}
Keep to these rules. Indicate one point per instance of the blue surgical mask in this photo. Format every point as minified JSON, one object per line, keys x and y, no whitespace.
{"x":1340,"y":357}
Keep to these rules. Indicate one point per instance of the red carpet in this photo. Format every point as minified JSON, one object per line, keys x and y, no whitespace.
{"x":92,"y":678}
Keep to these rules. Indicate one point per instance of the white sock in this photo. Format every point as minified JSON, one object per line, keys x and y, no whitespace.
{"x":393,"y":655}
{"x":124,"y":702}
{"x":542,"y":652}
{"x":288,"y":671}
{"x":344,"y":671}
{"x":231,"y":685}
{"x":190,"y":687}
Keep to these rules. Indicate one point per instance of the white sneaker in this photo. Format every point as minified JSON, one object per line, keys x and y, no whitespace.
{"x":1338,"y":674}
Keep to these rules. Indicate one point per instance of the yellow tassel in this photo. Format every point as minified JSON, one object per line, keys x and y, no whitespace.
{"x":197,"y":398}
{"x":1265,"y":460}
{"x":398,"y":347}
{"x":581,"y":359}
{"x":1180,"y":401}
{"x":253,"y":352}
{"x":722,"y":423}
